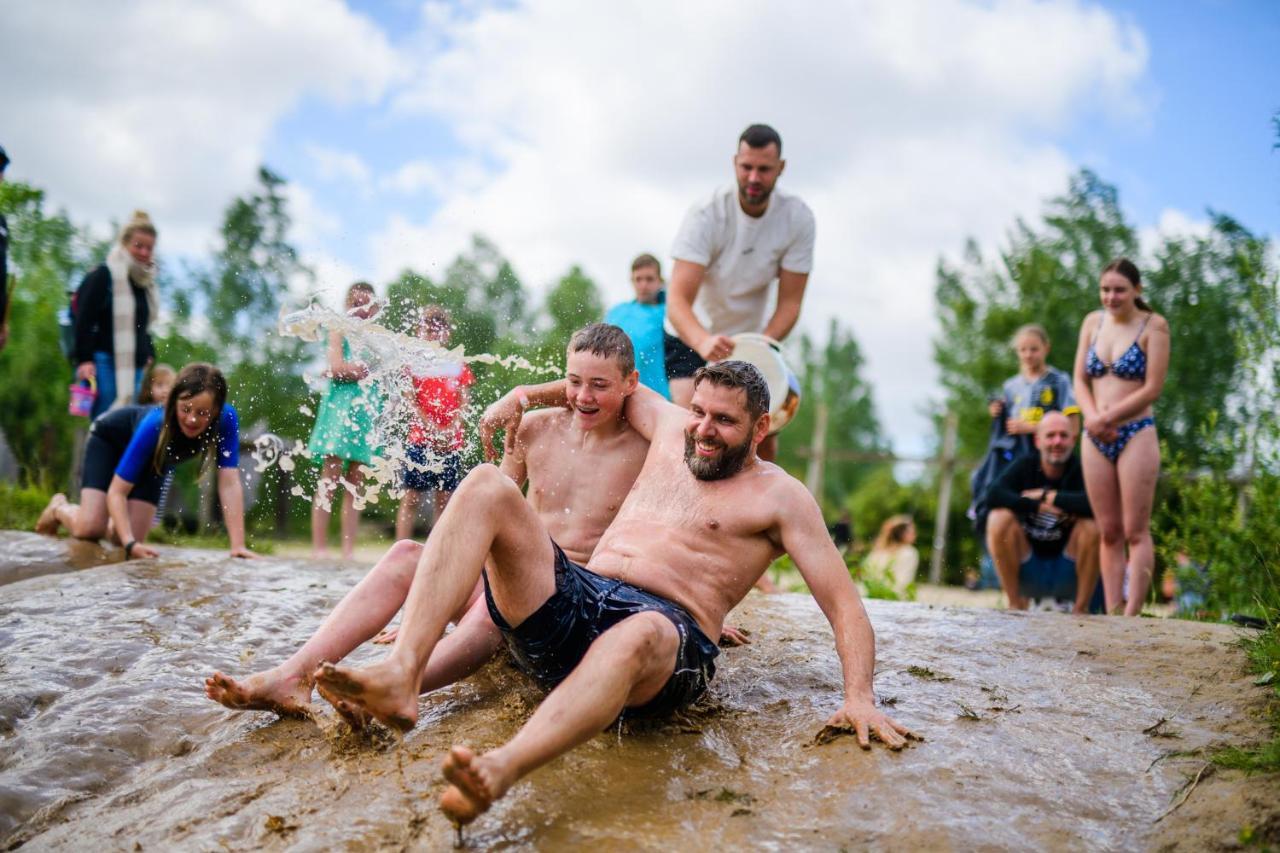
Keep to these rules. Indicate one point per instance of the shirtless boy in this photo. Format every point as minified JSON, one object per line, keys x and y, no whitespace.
{"x":702,"y":522}
{"x":579,"y":460}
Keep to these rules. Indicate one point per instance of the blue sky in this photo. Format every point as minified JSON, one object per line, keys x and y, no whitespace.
{"x":578,"y":133}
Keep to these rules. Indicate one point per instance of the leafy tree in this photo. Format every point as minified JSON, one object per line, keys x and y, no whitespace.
{"x":831,"y":376}
{"x":573,"y":303}
{"x":48,"y":255}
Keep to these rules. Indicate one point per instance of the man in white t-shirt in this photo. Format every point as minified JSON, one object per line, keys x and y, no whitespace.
{"x":729,"y":251}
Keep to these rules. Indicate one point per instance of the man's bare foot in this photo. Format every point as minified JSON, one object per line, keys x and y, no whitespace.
{"x":475,"y":783}
{"x":381,"y":691}
{"x":273,"y":690}
{"x":355,"y":717}
{"x":47,"y":524}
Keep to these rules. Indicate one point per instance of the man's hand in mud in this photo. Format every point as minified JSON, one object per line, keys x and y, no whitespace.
{"x":503,"y":414}
{"x":244,"y":554}
{"x":386,"y":636}
{"x":731,"y":636}
{"x":867,"y":721}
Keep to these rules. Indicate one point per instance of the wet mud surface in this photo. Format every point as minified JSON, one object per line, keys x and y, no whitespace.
{"x":1041,"y":730}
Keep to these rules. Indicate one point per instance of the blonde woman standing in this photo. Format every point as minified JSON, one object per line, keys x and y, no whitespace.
{"x":114,"y":308}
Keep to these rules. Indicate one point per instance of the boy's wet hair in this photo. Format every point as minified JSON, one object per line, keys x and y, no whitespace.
{"x":646,"y":260}
{"x":738,"y":374}
{"x":608,"y":341}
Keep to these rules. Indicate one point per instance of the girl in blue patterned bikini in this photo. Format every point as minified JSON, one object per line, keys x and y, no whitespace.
{"x":1120,"y":368}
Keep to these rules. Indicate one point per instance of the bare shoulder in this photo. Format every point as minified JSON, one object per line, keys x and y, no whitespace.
{"x":1158,"y":323}
{"x":539,"y":423}
{"x":1091,"y":320}
{"x":782,"y":490}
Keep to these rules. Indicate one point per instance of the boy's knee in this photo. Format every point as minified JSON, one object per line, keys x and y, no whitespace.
{"x":486,"y":482}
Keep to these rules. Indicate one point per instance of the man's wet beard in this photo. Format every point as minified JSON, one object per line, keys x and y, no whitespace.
{"x":728,"y":463}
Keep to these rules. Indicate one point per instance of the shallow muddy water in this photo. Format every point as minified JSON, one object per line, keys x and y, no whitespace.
{"x":1033,"y":725}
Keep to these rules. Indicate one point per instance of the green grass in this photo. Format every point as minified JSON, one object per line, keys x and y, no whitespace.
{"x":20,"y":506}
{"x":1263,"y":651}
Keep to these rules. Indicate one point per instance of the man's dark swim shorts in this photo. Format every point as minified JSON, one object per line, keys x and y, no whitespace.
{"x":556,"y":636}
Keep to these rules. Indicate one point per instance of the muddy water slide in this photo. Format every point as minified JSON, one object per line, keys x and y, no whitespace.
{"x":1041,"y":731}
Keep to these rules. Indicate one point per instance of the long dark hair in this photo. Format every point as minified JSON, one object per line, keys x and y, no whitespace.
{"x":196,"y":378}
{"x":1129,"y":270}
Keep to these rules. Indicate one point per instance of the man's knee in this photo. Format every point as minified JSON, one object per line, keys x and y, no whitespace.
{"x":640,"y":641}
{"x":1084,"y":535}
{"x":1003,"y":526}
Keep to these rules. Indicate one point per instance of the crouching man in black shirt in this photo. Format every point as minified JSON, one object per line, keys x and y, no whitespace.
{"x":1041,"y":532}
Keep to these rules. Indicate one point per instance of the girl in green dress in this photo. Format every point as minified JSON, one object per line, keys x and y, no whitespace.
{"x":343,"y":430}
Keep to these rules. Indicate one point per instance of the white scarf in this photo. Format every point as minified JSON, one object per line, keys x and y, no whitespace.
{"x":122,"y":267}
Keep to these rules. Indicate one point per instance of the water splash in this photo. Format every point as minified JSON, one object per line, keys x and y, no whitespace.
{"x":394,"y":359}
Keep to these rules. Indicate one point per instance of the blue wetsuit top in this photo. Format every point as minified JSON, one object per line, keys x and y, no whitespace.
{"x":1132,"y":363}
{"x":142,"y":447}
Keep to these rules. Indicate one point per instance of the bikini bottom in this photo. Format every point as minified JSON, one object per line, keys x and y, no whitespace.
{"x":1113,"y":449}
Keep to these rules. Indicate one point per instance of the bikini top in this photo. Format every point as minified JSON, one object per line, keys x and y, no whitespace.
{"x":1132,"y":363}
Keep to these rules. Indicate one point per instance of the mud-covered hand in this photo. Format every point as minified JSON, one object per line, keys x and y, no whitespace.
{"x":386,"y":636}
{"x":503,"y":414}
{"x":867,"y":720}
{"x":139,"y":551}
{"x":731,"y":636}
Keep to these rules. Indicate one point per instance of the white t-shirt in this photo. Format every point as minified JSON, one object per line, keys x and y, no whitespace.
{"x":743,"y":255}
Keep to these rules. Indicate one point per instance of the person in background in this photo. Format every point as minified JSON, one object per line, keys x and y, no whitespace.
{"x":343,"y":431}
{"x":894,"y":558}
{"x":1041,"y":533}
{"x":641,"y":319}
{"x":1038,"y":388}
{"x":730,"y":249}
{"x":115,"y":306}
{"x":4,"y":263}
{"x":159,"y":385}
{"x":436,"y":435}
{"x":1121,"y":363}
{"x":131,"y":449}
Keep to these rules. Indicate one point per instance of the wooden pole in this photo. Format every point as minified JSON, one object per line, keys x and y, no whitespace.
{"x":818,"y":456}
{"x":944,"y":497}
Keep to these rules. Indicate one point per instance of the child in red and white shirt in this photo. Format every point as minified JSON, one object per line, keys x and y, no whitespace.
{"x":436,"y":437}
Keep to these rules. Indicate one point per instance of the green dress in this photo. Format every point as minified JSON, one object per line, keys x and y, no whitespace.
{"x":345,"y":423}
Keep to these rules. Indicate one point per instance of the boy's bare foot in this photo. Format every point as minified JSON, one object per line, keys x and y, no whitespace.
{"x":47,"y":524}
{"x":381,"y":691}
{"x":474,"y":784}
{"x":273,"y":690}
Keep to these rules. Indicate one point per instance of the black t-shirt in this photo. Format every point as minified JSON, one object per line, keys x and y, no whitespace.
{"x":95,"y":322}
{"x":1046,"y":532}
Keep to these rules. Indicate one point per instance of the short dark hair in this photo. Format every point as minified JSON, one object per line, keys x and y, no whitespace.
{"x":738,"y":374}
{"x":761,"y":136}
{"x":607,"y":341}
{"x":646,"y":260}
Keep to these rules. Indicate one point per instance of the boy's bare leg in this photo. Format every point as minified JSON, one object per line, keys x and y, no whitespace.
{"x":626,"y":666}
{"x":487,"y":516}
{"x":286,"y":689}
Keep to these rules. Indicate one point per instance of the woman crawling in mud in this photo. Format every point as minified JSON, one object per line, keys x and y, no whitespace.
{"x":130,"y":450}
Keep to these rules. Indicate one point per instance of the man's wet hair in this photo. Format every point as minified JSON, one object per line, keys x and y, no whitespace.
{"x":607,"y":341}
{"x":761,"y":136}
{"x":738,"y":374}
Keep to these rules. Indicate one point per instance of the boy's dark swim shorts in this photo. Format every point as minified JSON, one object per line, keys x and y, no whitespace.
{"x":555,"y":637}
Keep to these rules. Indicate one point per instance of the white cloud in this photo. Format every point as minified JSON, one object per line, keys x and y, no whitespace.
{"x":335,"y":165}
{"x":167,"y":106}
{"x":907,"y":127}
